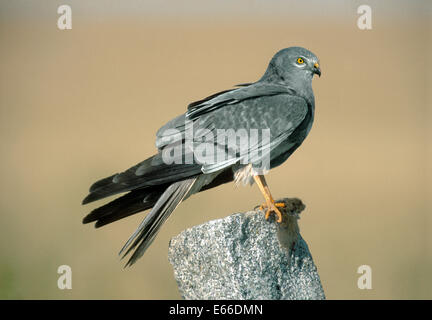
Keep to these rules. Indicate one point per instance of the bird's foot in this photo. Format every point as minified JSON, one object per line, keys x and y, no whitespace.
{"x":272,"y":206}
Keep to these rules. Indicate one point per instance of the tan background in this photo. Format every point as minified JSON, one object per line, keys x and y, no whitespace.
{"x":81,"y":104}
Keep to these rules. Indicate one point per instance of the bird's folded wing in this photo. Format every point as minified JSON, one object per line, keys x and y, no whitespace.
{"x":273,"y":118}
{"x":175,"y":130}
{"x":234,"y":96}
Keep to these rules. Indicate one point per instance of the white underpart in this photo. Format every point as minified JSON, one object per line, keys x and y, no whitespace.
{"x":244,"y":175}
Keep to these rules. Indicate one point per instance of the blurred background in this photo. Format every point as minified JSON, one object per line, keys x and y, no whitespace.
{"x":78,"y":105}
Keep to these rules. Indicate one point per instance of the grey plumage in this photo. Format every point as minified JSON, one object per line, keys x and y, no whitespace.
{"x":282,"y":102}
{"x":148,"y":229}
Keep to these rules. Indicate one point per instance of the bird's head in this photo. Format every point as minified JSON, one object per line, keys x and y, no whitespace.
{"x":293,"y":65}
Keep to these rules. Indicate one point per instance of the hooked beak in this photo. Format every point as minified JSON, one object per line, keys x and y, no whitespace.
{"x":317,"y":69}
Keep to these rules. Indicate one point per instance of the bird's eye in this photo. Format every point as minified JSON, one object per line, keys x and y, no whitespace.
{"x":300,"y":60}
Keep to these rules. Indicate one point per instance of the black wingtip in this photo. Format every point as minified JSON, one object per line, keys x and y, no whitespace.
{"x":102,"y":183}
{"x":87,"y":219}
{"x":91,"y":217}
{"x":92,"y":197}
{"x":244,"y":84}
{"x":87,"y":199}
{"x":100,"y":223}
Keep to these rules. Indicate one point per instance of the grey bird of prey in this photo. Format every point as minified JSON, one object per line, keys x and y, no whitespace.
{"x":270,"y":119}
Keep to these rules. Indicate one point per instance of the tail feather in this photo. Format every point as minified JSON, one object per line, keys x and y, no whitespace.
{"x":147,"y":230}
{"x":139,"y":200}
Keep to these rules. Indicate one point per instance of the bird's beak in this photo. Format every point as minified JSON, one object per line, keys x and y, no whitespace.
{"x":317,"y":69}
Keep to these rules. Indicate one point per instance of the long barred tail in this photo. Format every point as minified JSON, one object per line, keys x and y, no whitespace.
{"x":149,"y":227}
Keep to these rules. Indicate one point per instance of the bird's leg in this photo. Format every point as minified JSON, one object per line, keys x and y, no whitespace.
{"x":270,"y":205}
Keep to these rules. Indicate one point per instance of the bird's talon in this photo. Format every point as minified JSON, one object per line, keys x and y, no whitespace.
{"x":278,"y":214}
{"x":272,"y":207}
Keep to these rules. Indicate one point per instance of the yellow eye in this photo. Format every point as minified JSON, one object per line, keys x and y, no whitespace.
{"x":300,"y":60}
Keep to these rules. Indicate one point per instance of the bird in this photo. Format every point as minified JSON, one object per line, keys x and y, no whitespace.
{"x":266,"y":120}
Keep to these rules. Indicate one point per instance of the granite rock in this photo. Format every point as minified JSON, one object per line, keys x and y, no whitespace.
{"x":244,"y":256}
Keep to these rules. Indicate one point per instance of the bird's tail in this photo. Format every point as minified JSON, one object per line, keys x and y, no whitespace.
{"x":149,"y":227}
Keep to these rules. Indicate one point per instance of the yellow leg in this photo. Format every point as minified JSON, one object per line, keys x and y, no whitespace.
{"x":270,"y":205}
